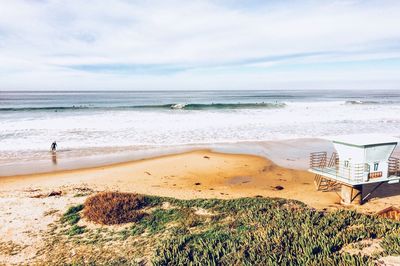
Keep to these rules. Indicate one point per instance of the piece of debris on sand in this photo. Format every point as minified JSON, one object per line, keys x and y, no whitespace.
{"x":54,"y":193}
{"x":51,"y":194}
{"x":31,"y":190}
{"x":277,"y":188}
{"x":50,"y":212}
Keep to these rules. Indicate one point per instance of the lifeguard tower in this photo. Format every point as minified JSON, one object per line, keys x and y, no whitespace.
{"x":358,"y":160}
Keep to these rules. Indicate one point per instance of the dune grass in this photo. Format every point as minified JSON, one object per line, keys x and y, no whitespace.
{"x":71,"y":216}
{"x":246,"y":231}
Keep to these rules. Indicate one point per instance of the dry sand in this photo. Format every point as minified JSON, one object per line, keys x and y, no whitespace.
{"x":26,"y":210}
{"x":198,"y":174}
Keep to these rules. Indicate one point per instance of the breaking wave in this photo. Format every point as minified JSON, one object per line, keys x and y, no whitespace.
{"x":227,"y":106}
{"x":191,"y":106}
{"x":363,"y":102}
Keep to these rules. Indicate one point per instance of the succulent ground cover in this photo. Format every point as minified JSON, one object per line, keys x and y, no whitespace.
{"x":245,"y":231}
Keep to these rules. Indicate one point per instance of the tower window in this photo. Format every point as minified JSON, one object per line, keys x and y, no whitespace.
{"x":376,"y":166}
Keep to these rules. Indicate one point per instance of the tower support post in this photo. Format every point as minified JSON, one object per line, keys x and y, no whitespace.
{"x":351,"y":194}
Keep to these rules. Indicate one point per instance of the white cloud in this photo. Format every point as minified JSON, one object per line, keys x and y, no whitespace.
{"x":61,"y":44}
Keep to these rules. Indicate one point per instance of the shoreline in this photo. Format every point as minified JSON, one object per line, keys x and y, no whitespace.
{"x":290,"y":153}
{"x":290,"y":157}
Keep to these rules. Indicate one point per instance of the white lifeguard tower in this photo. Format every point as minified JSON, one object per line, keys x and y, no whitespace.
{"x":358,"y":160}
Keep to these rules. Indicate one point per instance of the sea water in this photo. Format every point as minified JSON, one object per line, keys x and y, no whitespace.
{"x":31,"y":121}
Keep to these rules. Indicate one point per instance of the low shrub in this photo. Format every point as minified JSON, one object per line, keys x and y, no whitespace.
{"x":264,"y":231}
{"x":158,"y":220}
{"x":244,"y":231}
{"x":72,"y":215}
{"x":114,"y":208}
{"x":76,"y":230}
{"x":391,"y":243}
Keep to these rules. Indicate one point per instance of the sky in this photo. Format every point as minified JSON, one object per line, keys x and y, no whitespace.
{"x":190,"y":45}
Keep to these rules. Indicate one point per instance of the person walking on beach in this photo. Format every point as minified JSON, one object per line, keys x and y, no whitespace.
{"x":54,"y":146}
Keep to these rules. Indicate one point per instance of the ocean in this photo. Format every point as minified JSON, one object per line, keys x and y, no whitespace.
{"x":31,"y":121}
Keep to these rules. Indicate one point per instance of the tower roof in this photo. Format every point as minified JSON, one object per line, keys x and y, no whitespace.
{"x":365,"y":140}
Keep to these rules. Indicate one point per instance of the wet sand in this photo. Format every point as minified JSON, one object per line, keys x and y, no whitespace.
{"x":293,"y":153}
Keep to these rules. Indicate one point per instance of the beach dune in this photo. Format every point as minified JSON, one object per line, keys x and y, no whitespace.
{"x":33,"y":202}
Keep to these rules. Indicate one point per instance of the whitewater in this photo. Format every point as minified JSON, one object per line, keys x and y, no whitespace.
{"x":30,"y":121}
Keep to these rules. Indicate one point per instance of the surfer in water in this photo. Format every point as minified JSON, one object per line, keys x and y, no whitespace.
{"x":54,"y":146}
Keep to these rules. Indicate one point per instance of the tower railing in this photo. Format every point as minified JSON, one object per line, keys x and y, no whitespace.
{"x":318,"y":159}
{"x":334,"y":168}
{"x":394,"y":166}
{"x":346,"y":171}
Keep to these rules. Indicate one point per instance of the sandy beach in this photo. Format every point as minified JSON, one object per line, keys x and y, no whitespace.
{"x":199,"y":133}
{"x":197,"y":174}
{"x":33,"y":202}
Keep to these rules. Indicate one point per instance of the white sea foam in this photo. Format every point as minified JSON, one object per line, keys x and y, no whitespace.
{"x":21,"y":131}
{"x":178,"y":106}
